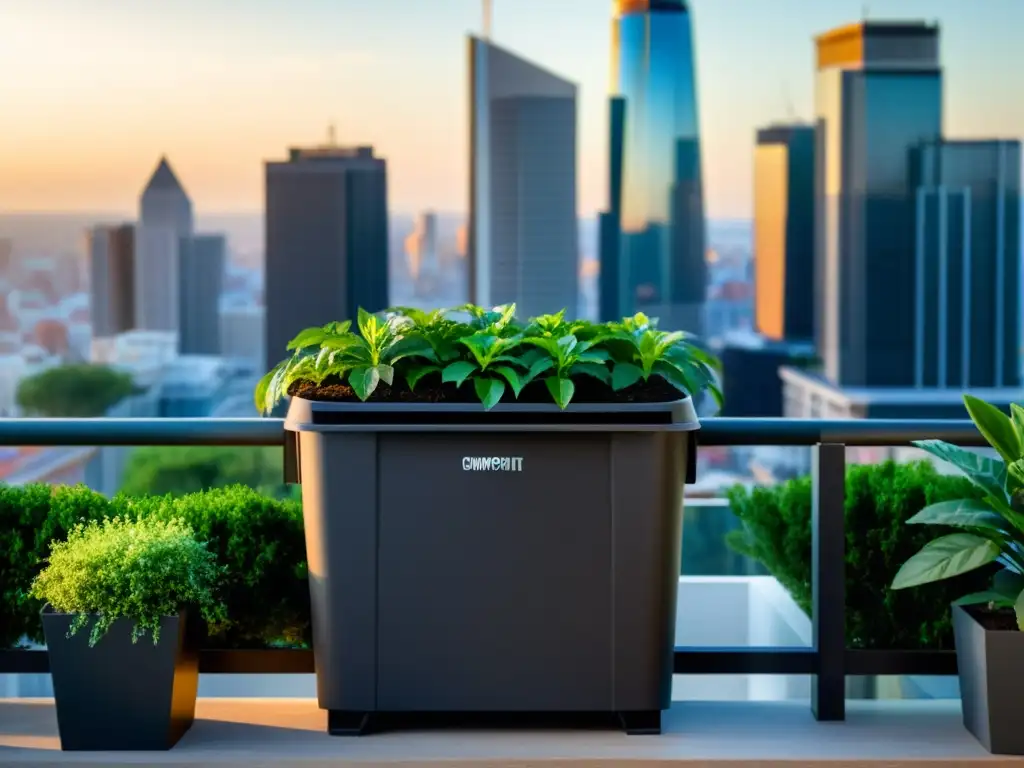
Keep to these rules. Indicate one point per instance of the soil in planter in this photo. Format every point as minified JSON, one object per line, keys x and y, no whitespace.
{"x":1000,"y":620}
{"x":431,"y":390}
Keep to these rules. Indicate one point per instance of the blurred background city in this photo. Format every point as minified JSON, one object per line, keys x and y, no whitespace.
{"x":826,"y":193}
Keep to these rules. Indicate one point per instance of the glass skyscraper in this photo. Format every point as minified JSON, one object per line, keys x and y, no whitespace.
{"x":523,"y":231}
{"x":652,"y":236}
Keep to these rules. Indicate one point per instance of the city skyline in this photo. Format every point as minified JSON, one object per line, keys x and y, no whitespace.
{"x":78,"y":135}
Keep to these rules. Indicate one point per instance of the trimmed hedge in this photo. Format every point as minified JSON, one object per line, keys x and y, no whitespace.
{"x":880,"y":498}
{"x":260,"y":543}
{"x":258,"y":540}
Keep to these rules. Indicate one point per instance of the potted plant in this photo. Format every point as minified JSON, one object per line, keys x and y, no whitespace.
{"x":492,"y":509}
{"x":987,"y":625}
{"x":108,"y":589}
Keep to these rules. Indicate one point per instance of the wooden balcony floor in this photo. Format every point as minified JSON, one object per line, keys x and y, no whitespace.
{"x":260,"y":733}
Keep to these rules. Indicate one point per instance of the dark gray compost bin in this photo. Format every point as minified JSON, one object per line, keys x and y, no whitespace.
{"x":518,"y":560}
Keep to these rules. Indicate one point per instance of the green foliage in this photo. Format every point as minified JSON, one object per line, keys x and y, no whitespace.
{"x":70,"y":391}
{"x":991,"y":529}
{"x":30,"y":518}
{"x":141,"y":570}
{"x":162,"y":470}
{"x":491,"y":349}
{"x":258,"y":540}
{"x":880,"y":499}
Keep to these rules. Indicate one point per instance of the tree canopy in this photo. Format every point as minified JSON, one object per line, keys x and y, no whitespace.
{"x":78,"y":390}
{"x":187,"y":470}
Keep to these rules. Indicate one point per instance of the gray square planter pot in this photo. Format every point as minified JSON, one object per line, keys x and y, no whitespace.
{"x":121,"y":695}
{"x":991,"y":667}
{"x":520,"y":560}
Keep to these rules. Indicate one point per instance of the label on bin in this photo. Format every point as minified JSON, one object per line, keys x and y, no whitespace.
{"x":492,"y":463}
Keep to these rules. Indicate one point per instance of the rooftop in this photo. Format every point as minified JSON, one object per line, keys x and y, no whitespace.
{"x":896,"y":395}
{"x":291,"y":732}
{"x":164,"y":178}
{"x":646,"y":6}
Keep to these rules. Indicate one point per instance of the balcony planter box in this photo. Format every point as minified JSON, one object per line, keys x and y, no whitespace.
{"x":121,"y":695}
{"x":990,"y":663}
{"x":522,"y":559}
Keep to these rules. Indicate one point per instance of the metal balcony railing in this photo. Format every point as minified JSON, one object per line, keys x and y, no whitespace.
{"x":827,"y":660}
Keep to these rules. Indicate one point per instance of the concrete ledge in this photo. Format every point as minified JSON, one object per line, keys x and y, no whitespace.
{"x":260,"y":733}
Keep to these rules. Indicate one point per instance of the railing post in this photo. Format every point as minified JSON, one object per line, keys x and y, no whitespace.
{"x":828,"y":576}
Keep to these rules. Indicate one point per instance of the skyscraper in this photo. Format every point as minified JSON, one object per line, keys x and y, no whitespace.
{"x":967,"y":271}
{"x":879,"y":94}
{"x":326,"y":239}
{"x":784,"y":232}
{"x":918,"y":240}
{"x":111,"y":251}
{"x":523,"y":233}
{"x":165,"y":217}
{"x":652,"y":236}
{"x":202,"y":279}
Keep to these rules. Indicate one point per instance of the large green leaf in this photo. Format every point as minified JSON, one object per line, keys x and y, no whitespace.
{"x":364,"y":380}
{"x":480,"y":346}
{"x":457,"y":372}
{"x":561,"y":390}
{"x":996,"y":427}
{"x":961,"y":513}
{"x":414,"y":374}
{"x":984,"y":597}
{"x":625,"y":375}
{"x":489,"y":391}
{"x":309,"y":337}
{"x":1018,"y":609}
{"x":988,"y":474}
{"x":946,"y":557}
{"x":1017,"y":417}
{"x":410,"y":346}
{"x":368,"y":325}
{"x":674,"y":376}
{"x":511,"y":375}
{"x":386,"y":373}
{"x":597,"y":371}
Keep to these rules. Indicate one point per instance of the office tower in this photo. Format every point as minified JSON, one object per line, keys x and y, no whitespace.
{"x":523,"y":234}
{"x":326,"y":239}
{"x":111,"y":251}
{"x":652,"y":236}
{"x":165,"y":217}
{"x":202,"y":280}
{"x":967,"y":271}
{"x":421,"y":253}
{"x":879,"y":94}
{"x":784,"y":232}
{"x":918,"y":240}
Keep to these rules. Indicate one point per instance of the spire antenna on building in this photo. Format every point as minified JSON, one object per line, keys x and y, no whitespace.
{"x":488,"y":18}
{"x":864,"y":11}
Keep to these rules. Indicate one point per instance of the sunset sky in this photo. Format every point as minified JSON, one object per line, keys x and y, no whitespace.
{"x":92,"y":92}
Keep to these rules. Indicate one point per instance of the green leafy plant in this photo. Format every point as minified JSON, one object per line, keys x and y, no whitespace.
{"x":259,"y":542}
{"x":880,"y":498}
{"x":32,"y":516}
{"x":492,"y":350}
{"x":642,"y":351}
{"x":565,"y":358}
{"x":257,"y":539}
{"x":141,"y":570}
{"x":990,"y":528}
